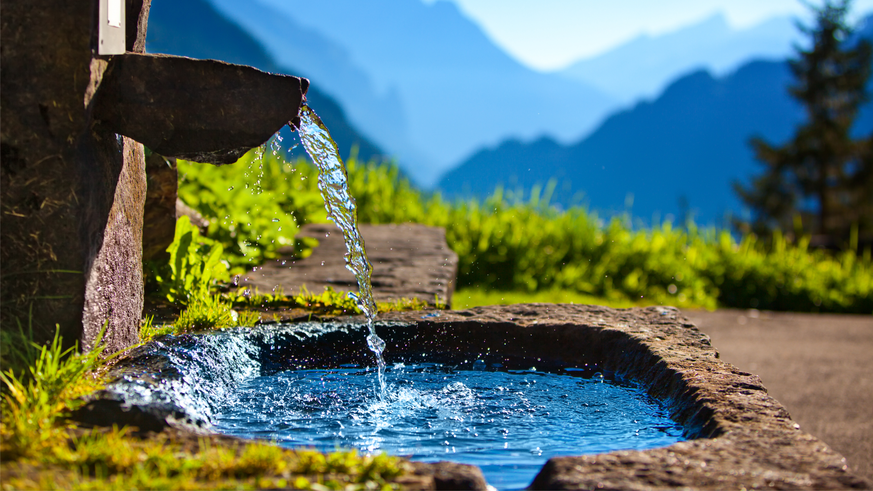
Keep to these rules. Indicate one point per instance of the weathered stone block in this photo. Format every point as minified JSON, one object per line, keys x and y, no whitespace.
{"x":409,"y":261}
{"x":159,"y":221}
{"x":202,"y":110}
{"x":61,"y":210}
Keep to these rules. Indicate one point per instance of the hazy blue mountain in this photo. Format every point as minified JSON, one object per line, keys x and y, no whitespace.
{"x":458,"y":90}
{"x":681,"y":150}
{"x":643,"y":67}
{"x":173,"y":30}
{"x":330,"y":68}
{"x":675,"y":154}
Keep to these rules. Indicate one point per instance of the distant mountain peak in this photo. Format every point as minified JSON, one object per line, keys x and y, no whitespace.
{"x":442,"y":65}
{"x":717,"y":22}
{"x":644,"y":66}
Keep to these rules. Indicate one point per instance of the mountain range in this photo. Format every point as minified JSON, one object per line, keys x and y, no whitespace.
{"x":676,"y":154}
{"x":644,"y":66}
{"x":457,"y":91}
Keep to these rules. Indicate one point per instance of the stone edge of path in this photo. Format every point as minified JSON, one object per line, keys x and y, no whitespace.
{"x":739,"y":436}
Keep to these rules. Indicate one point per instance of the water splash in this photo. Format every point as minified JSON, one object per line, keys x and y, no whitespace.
{"x":507,"y":423}
{"x":341,"y":209}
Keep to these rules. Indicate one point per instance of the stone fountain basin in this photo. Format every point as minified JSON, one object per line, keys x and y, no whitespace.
{"x":739,"y":436}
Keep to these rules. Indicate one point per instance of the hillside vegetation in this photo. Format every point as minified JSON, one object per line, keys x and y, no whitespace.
{"x":504,"y":244}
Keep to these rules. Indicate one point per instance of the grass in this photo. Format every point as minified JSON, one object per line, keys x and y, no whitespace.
{"x":212,"y":312}
{"x":37,"y":397}
{"x":244,"y":307}
{"x":475,"y":297}
{"x":329,"y":302}
{"x":40,"y":449}
{"x":505,"y":244}
{"x":114,"y":459}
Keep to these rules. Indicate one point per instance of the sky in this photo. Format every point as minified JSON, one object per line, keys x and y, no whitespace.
{"x":551,"y":34}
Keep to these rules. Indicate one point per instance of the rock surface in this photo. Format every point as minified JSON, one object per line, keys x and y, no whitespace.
{"x":72,"y":191}
{"x":817,"y":365}
{"x":739,"y":436}
{"x":202,"y":110}
{"x":163,"y":206}
{"x":409,"y":261}
{"x":159,"y":220}
{"x":451,"y":475}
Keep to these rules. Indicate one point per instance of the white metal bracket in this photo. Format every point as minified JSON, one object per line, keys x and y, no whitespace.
{"x":111,"y":39}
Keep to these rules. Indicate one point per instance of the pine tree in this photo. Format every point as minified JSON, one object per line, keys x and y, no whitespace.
{"x":822,"y":177}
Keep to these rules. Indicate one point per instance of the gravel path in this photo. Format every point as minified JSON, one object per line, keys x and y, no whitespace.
{"x":820,"y":366}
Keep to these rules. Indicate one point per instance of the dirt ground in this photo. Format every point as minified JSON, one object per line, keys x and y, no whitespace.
{"x":820,"y":366}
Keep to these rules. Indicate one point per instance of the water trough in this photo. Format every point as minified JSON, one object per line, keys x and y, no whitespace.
{"x":737,"y":435}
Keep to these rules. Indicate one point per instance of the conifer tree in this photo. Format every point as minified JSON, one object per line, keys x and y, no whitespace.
{"x":822,"y":176}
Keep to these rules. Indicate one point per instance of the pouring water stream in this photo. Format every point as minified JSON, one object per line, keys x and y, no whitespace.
{"x":341,"y":209}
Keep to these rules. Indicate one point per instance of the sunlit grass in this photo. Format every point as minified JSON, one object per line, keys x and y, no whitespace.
{"x":113,"y":459}
{"x":41,"y":449}
{"x":509,"y":244}
{"x":474,"y":297}
{"x":36,"y":398}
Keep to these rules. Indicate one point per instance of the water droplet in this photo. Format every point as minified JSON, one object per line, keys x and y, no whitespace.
{"x":376,"y":344}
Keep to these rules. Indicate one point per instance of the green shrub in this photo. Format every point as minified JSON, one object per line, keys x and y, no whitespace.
{"x":253,"y":206}
{"x":782,"y":276}
{"x":195,"y":264}
{"x":507,"y":244}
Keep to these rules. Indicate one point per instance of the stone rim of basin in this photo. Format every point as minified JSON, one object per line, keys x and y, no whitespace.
{"x":739,"y":436}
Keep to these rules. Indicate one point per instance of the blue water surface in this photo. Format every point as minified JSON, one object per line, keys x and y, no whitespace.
{"x":506,"y":422}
